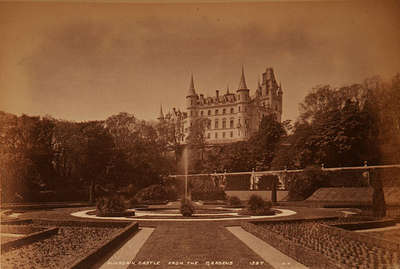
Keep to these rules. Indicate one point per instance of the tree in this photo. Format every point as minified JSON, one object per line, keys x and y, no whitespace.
{"x":138,"y":156}
{"x":196,"y":142}
{"x":25,"y":155}
{"x":97,"y":155}
{"x":170,"y":136}
{"x":333,"y":128}
{"x":264,"y":142}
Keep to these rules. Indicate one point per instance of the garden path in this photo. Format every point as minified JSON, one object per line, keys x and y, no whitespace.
{"x":199,"y":245}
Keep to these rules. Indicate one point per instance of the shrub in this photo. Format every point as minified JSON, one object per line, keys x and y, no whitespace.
{"x":234,"y":201}
{"x":110,"y":205}
{"x":157,"y":192}
{"x":187,"y":208}
{"x":257,"y":206}
{"x":302,"y":185}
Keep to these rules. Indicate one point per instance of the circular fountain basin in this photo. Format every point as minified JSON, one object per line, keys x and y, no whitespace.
{"x":172,"y":214}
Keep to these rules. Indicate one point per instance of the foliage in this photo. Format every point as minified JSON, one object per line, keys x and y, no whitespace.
{"x":302,"y":185}
{"x":257,"y":206}
{"x":157,"y":192}
{"x":264,"y":142}
{"x":186,"y":208}
{"x":234,"y":201}
{"x":43,"y":155}
{"x":110,"y":205}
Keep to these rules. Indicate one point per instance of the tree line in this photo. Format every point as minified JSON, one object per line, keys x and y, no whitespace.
{"x":337,"y":127}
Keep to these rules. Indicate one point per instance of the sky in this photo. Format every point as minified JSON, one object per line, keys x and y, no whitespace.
{"x":88,"y":61}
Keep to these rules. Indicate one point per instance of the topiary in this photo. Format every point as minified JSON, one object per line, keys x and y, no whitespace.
{"x":187,"y":208}
{"x":257,"y":206}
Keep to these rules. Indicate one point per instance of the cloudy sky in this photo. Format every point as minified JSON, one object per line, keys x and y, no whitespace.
{"x":87,"y":61}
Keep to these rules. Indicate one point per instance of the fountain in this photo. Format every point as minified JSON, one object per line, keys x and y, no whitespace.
{"x":172,"y":212}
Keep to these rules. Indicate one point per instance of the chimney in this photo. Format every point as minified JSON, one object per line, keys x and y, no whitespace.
{"x":217,"y":93}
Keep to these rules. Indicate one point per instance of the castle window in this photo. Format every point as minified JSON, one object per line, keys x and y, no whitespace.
{"x":216,"y":135}
{"x":232,"y":110}
{"x":231,"y":134}
{"x":209,"y":124}
{"x":223,"y":135}
{"x":216,"y":112}
{"x":231,"y":124}
{"x":239,"y":108}
{"x":223,"y":111}
{"x":209,"y":112}
{"x":224,"y":123}
{"x":209,"y":135}
{"x":216,"y":124}
{"x":201,"y":113}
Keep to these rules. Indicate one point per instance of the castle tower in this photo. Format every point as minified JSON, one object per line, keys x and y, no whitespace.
{"x":191,"y":96}
{"x":191,"y":102}
{"x":243,"y":99}
{"x":271,"y":93}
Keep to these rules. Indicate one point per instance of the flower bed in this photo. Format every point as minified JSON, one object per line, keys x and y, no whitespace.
{"x":58,"y":250}
{"x":314,"y":243}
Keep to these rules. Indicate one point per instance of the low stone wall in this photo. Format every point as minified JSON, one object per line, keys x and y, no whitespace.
{"x":28,"y":239}
{"x":84,"y":223}
{"x":266,"y":195}
{"x":16,"y":222}
{"x":95,"y":257}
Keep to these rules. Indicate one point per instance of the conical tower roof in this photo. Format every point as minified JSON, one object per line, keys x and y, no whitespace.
{"x":242,"y":84}
{"x":191,"y":91}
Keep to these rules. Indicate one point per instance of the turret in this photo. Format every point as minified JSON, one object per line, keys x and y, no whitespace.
{"x":191,"y":97}
{"x":243,"y":91}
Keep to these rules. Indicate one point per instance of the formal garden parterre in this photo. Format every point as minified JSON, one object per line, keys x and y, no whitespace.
{"x":318,"y":243}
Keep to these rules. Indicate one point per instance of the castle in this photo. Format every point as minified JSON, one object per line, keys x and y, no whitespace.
{"x":231,"y":116}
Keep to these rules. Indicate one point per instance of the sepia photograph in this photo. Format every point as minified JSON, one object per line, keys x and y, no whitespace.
{"x":200,"y":134}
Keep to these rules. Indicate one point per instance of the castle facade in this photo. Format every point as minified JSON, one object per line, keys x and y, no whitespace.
{"x":231,"y":116}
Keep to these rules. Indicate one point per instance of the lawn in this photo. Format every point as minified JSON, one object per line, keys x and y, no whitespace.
{"x":202,"y":245}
